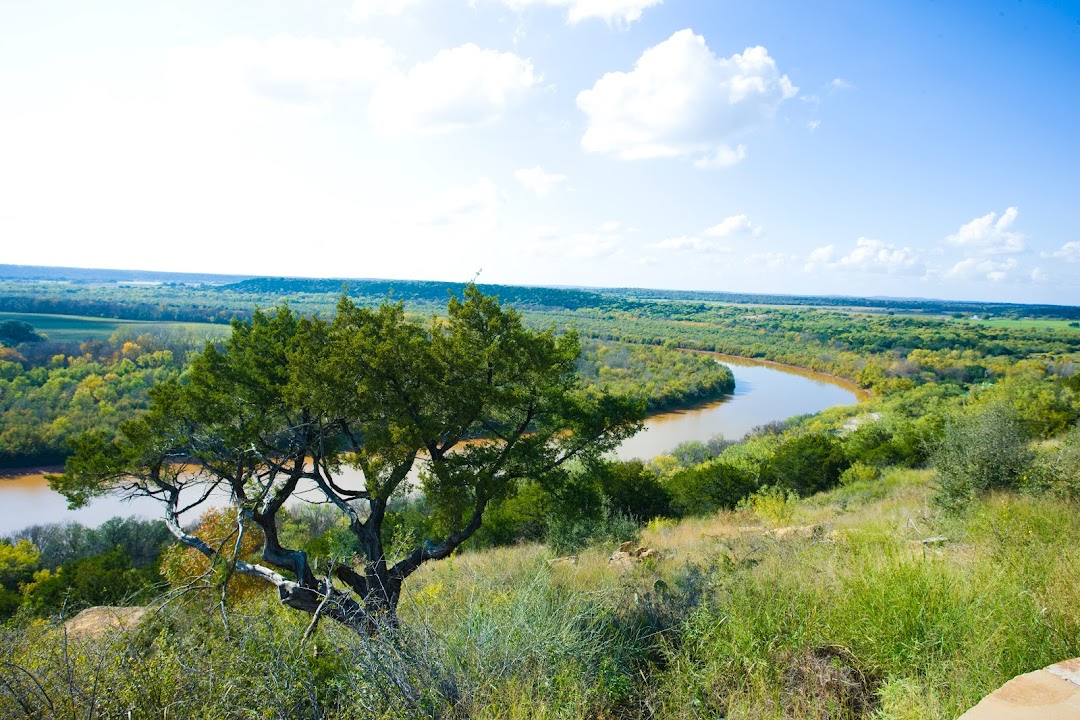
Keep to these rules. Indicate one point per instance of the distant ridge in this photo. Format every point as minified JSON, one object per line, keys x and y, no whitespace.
{"x":906,"y":305}
{"x":530,"y":296}
{"x":107,"y":275}
{"x":428,"y":291}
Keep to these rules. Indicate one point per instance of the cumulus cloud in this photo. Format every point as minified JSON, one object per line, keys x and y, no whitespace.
{"x":681,"y":100}
{"x":299,"y":71}
{"x":613,"y":12}
{"x":541,"y":183}
{"x":868,"y":256}
{"x":982,"y":268}
{"x":365,"y":9}
{"x":839,"y":84}
{"x":734,"y":226}
{"x":1069,"y":252}
{"x":461,"y":87}
{"x":989,"y":235}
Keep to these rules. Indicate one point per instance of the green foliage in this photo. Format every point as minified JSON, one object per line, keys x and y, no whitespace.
{"x":807,"y":463}
{"x":984,"y":448}
{"x":661,"y":375}
{"x":72,"y":389}
{"x":18,"y":562}
{"x":569,"y":533}
{"x":107,"y":579}
{"x":1056,"y":468}
{"x":631,"y":488}
{"x":706,"y":488}
{"x":59,"y":543}
{"x":858,"y":472}
{"x":14,"y":332}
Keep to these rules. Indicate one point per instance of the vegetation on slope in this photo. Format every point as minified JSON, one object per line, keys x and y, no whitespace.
{"x":877,"y":604}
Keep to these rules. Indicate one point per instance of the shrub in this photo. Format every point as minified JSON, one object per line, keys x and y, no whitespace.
{"x":983,"y":449}
{"x":807,"y":464}
{"x":707,"y":488}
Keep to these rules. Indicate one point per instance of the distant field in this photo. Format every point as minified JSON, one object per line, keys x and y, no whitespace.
{"x":79,"y":327}
{"x":1046,"y":324}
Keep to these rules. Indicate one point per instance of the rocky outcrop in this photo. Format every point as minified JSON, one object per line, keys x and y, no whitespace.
{"x":1053,"y":692}
{"x":94,"y":622}
{"x":627,"y":555}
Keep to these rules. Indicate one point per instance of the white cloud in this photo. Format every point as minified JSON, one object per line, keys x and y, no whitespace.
{"x":552,"y":244}
{"x":684,"y":242}
{"x":989,"y":235}
{"x":613,"y":12}
{"x":734,"y":225}
{"x":681,"y":100}
{"x":813,"y":125}
{"x":773,"y":260}
{"x":822,"y":257}
{"x":592,"y":245}
{"x":982,"y":268}
{"x":868,"y":256}
{"x":461,"y":87}
{"x":366,"y":9}
{"x":538,"y":181}
{"x":839,"y":84}
{"x":300,"y":71}
{"x":725,"y":156}
{"x":1069,"y":252}
{"x":476,"y":203}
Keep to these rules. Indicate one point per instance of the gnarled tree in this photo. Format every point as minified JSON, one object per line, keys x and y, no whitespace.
{"x":465,"y":406}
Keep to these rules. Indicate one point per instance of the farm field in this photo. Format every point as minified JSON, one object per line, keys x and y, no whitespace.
{"x":64,"y":328}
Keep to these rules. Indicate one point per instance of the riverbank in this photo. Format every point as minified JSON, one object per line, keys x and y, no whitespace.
{"x":860,"y":392}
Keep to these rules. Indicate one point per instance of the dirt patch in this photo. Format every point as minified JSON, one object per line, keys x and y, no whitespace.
{"x":94,"y":622}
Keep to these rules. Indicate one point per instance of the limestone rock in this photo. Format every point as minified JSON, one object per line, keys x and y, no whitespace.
{"x":1052,"y":693}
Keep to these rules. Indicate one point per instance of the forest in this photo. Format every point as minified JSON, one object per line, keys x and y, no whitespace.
{"x":844,"y":564}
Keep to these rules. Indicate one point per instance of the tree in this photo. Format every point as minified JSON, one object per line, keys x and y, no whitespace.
{"x":13,"y":332}
{"x":807,"y":463}
{"x":470,"y":404}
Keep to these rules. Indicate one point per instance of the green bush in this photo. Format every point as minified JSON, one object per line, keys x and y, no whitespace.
{"x":807,"y":464}
{"x":709,"y":487}
{"x":108,"y":579}
{"x":982,"y":449}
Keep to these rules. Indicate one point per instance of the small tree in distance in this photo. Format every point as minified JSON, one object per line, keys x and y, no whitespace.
{"x":475,"y":399}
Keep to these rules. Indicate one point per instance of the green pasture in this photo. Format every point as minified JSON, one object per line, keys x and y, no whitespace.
{"x":81,"y":327}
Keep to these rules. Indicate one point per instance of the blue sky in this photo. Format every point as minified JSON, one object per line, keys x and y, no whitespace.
{"x":906,"y":149}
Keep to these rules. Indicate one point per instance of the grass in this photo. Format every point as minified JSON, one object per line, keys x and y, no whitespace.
{"x":851,"y":615}
{"x":81,"y":327}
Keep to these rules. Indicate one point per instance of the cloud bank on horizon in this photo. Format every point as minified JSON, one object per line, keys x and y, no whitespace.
{"x":659,"y":143}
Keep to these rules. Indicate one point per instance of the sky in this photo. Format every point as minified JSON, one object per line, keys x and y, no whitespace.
{"x":911,"y":149}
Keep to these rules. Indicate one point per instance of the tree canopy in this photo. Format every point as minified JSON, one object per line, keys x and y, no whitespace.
{"x":462,"y":408}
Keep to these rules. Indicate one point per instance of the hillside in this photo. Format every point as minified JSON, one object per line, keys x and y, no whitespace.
{"x":861,"y":602}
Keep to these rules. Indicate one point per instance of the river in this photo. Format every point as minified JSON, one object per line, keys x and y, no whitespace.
{"x":764,"y":392}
